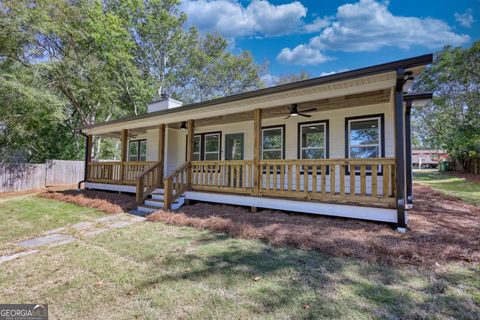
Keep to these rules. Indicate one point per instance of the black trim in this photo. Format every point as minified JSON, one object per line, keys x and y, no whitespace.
{"x":362,"y":72}
{"x":202,"y":144}
{"x":138,"y":141}
{"x":284,"y":134}
{"x":382,"y":136}
{"x":408,"y":151}
{"x":400,"y":150}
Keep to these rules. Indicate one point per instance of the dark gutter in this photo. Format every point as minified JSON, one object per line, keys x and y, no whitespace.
{"x":86,"y":160}
{"x":390,"y":66}
{"x":418,"y":96}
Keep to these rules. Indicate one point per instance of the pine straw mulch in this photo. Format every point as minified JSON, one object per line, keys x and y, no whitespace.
{"x":108,"y":202}
{"x":441,"y":229}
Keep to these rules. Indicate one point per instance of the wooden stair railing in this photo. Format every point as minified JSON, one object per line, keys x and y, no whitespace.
{"x":148,"y":181}
{"x":176,"y":184}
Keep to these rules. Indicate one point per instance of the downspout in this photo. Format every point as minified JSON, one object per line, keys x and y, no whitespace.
{"x":86,"y":160}
{"x":408,"y":152}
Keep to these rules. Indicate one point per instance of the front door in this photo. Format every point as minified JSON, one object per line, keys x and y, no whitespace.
{"x":234,"y":144}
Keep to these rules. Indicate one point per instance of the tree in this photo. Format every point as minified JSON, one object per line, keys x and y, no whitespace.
{"x":89,"y":61}
{"x":451,"y":120}
{"x":292,"y":77}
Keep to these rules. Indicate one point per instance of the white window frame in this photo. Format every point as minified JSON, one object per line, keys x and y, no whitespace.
{"x":205,"y":152}
{"x":139,"y":148}
{"x":378,"y":144}
{"x":282,"y":143}
{"x":314,"y":148}
{"x":199,"y":152}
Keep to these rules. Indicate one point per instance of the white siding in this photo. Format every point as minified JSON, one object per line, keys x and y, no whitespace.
{"x":176,"y":139}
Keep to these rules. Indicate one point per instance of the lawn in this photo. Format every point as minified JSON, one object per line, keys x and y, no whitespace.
{"x":26,"y":216}
{"x":448,"y":183}
{"x":158,"y":271}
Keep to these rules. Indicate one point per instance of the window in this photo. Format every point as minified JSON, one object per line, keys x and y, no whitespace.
{"x":313,"y":140}
{"x":206,"y":146}
{"x":197,"y":140}
{"x":137,"y":150}
{"x":273,"y":142}
{"x":212,"y":146}
{"x":365,"y":137}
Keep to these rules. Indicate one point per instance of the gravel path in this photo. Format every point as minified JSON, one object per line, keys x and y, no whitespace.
{"x":64,"y":235}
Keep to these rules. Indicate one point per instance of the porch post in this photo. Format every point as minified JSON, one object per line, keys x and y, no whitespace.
{"x":88,"y":156}
{"x":161,"y":152}
{"x":123,"y":158}
{"x":408,"y":152}
{"x":257,"y":149}
{"x":400,"y":152}
{"x":191,"y":133}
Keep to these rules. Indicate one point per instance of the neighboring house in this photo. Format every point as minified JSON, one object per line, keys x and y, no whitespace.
{"x":332,"y":145}
{"x":426,"y":158}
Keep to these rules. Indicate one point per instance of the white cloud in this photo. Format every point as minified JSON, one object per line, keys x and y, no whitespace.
{"x":231,"y":19}
{"x":465,"y":19}
{"x":368,"y":26}
{"x":302,"y":55}
{"x":323,"y":74}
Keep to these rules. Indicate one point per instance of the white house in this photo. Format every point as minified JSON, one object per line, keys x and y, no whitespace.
{"x":336,"y":145}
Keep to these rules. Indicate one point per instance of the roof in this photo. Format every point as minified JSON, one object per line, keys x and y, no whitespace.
{"x":376,"y":69}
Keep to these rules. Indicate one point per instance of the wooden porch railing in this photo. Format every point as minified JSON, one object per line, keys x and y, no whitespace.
{"x":148,"y":181}
{"x":117,"y":172}
{"x":330,"y":180}
{"x":175,"y":184}
{"x":226,"y":176}
{"x":360,"y":181}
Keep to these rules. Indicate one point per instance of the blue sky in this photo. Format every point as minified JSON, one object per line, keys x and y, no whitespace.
{"x":322,"y":37}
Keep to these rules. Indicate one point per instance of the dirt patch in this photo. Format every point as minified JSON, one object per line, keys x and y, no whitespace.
{"x":441,"y":229}
{"x":467,"y":176}
{"x":108,"y":202}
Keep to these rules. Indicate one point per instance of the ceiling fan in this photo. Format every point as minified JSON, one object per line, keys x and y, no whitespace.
{"x":294,"y":111}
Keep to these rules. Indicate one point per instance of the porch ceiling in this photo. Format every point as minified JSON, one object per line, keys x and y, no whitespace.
{"x":347,"y":101}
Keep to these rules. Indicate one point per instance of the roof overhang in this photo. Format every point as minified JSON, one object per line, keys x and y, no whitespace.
{"x":341,"y":84}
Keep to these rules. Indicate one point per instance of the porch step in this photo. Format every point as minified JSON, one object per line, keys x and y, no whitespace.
{"x":156,"y":203}
{"x":160,"y":196}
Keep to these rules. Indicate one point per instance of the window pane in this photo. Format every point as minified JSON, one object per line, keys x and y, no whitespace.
{"x":364,"y":132}
{"x":267,"y":155}
{"x":212,"y":143}
{"x":313,"y":153}
{"x":211,"y":156}
{"x":143,"y":150}
{"x":196,"y":144}
{"x":196,"y":156}
{"x":272,"y":139}
{"x":364,"y":152}
{"x":133,"y":151}
{"x":313,"y":136}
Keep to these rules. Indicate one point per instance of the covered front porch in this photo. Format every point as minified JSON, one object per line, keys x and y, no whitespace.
{"x":232,"y":155}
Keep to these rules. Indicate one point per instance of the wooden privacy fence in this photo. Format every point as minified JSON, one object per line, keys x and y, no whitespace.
{"x":27,"y":176}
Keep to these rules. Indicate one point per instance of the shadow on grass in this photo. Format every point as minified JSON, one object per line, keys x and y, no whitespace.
{"x":316,"y":286}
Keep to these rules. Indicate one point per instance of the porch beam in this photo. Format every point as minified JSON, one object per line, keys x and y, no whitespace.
{"x":190,"y":135}
{"x":161,"y":151}
{"x":88,"y":155}
{"x":257,"y":149}
{"x":400,"y":151}
{"x":124,"y":139}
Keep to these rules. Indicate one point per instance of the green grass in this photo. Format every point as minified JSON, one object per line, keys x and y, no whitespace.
{"x":466,"y":190}
{"x":27,"y":216}
{"x":156,"y":271}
